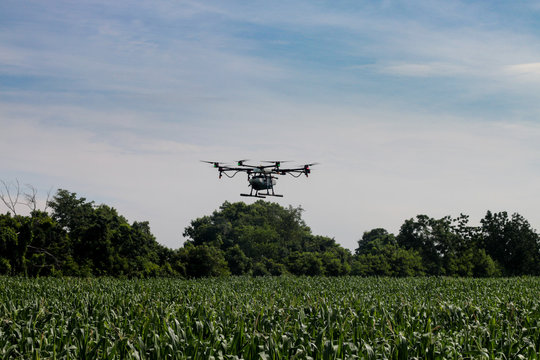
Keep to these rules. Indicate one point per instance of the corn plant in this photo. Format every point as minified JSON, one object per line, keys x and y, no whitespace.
{"x":270,"y":318}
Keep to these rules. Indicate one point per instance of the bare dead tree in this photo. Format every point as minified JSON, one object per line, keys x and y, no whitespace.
{"x":10,"y":193}
{"x":47,"y":200}
{"x":30,"y":197}
{"x":11,"y":200}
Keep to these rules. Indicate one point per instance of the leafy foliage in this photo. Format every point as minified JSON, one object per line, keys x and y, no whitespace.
{"x":272,"y":238}
{"x":80,"y":238}
{"x":501,"y":245}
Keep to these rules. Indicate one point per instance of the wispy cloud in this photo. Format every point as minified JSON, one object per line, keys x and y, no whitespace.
{"x":425,"y":70}
{"x":525,"y":72}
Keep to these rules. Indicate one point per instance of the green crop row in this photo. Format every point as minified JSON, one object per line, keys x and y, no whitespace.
{"x":270,"y":318}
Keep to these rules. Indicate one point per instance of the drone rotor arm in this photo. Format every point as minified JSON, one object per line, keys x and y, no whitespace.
{"x":224,"y":171}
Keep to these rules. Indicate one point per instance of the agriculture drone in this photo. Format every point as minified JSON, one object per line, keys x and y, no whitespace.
{"x":260,"y":177}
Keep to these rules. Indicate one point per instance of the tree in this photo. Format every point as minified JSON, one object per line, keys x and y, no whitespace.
{"x":8,"y":241}
{"x":10,"y":197}
{"x":204,"y":261}
{"x":385,"y":258}
{"x":268,"y":235}
{"x":484,"y":266}
{"x":305,"y":263}
{"x":336,"y":261}
{"x":374,"y":238}
{"x":238,"y":262}
{"x":266,"y":267}
{"x":16,"y":234}
{"x":11,"y":192}
{"x":434,"y":239}
{"x":378,"y":254}
{"x":104,"y":243}
{"x":511,"y":242}
{"x":70,"y":212}
{"x":50,"y":248}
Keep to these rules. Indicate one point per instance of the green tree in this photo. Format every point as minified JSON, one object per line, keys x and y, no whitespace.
{"x":50,"y":251}
{"x":204,"y":261}
{"x":386,"y":259}
{"x":378,"y":254}
{"x":484,"y":266}
{"x":336,"y":261}
{"x":305,"y":263}
{"x":374,"y":238}
{"x":238,"y":262}
{"x":104,"y":243}
{"x":8,"y":240}
{"x":70,"y":212}
{"x":15,"y":235}
{"x":268,"y":234}
{"x":434,"y":239}
{"x":511,"y":242}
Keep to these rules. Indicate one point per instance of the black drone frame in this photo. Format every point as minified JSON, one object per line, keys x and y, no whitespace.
{"x":260,"y":177}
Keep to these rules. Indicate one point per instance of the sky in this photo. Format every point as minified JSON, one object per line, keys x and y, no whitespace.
{"x":410,"y":107}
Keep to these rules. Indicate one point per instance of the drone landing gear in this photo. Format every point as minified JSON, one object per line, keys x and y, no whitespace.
{"x":256,"y":195}
{"x":261,"y":196}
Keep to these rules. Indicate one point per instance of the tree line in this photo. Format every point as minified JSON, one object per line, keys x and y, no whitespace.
{"x":79,"y":238}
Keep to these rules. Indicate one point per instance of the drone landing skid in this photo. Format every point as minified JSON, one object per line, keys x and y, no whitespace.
{"x":261,"y":196}
{"x":257,"y":196}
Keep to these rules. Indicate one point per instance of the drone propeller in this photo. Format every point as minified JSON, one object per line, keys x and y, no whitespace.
{"x":277,"y":163}
{"x":215,"y":163}
{"x":241,"y":162}
{"x":307,"y":170}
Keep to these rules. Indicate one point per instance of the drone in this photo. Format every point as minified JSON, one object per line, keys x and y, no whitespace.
{"x":260,"y":177}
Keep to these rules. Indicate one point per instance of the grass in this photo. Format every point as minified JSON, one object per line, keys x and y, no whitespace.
{"x":270,"y":318}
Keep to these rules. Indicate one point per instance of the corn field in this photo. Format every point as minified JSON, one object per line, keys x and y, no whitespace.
{"x":270,"y":318}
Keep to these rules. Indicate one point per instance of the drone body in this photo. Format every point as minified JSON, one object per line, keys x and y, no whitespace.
{"x":261,"y":177}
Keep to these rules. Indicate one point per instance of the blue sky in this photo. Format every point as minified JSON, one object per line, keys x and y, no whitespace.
{"x":424,"y":107}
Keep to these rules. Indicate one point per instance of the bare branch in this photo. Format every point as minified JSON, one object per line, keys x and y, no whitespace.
{"x":10,"y":193}
{"x":42,"y":250}
{"x":30,"y":197}
{"x":47,"y":201}
{"x":9,"y":199}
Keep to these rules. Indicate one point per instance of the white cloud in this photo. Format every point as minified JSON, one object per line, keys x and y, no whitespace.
{"x":424,"y":70}
{"x":524,"y":72}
